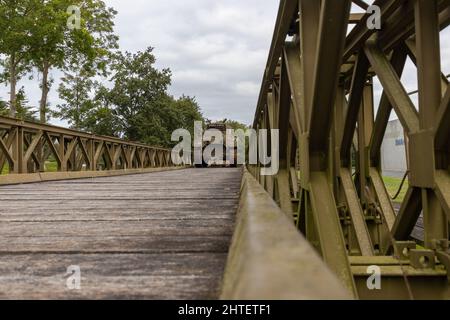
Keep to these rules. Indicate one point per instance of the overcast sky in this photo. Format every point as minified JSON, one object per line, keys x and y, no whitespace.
{"x":216,"y":49}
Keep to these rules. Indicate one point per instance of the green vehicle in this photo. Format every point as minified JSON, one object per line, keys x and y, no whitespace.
{"x":224,"y":162}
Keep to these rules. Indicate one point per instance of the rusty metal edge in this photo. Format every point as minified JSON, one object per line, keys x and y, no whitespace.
{"x":269,"y":258}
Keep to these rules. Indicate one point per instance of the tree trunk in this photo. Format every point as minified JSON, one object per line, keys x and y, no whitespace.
{"x":77,"y":103}
{"x":45,"y":90}
{"x":43,"y":108}
{"x":13,"y":85}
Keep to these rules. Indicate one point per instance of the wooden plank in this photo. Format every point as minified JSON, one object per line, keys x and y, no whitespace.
{"x":115,"y":244}
{"x":166,"y":276}
{"x":67,"y":229}
{"x":161,"y":235}
{"x":106,"y":214}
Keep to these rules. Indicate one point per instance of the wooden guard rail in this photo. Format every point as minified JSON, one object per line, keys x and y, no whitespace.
{"x":26,"y":146}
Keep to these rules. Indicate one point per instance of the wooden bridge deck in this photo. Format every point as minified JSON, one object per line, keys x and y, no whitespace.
{"x":159,"y":235}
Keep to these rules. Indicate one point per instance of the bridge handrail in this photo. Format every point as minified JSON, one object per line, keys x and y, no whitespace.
{"x":33,"y":126}
{"x":26,"y":146}
{"x":269,"y":258}
{"x":318,"y":95}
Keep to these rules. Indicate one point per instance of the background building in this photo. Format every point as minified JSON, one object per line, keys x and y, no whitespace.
{"x":393,"y":152}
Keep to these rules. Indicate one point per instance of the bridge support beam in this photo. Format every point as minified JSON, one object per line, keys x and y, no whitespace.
{"x":269,"y":259}
{"x":332,"y":152}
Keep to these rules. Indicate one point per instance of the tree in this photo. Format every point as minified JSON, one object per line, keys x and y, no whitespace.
{"x":154,"y":123}
{"x":137,"y":106}
{"x":82,"y":49}
{"x":24,"y":110}
{"x":17,"y":21}
{"x":102,"y":121}
{"x":4,"y":111}
{"x":96,"y":26}
{"x":187,"y":111}
{"x":47,"y":46}
{"x":235,"y":125}
{"x":76,"y":91}
{"x":139,"y":93}
{"x":86,"y":106}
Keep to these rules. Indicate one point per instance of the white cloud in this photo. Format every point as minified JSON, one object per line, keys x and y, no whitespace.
{"x":247,"y":88}
{"x":215,"y":49}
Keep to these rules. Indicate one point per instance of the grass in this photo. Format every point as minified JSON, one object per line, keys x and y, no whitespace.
{"x":392,"y":185}
{"x":5,"y":169}
{"x":50,"y":166}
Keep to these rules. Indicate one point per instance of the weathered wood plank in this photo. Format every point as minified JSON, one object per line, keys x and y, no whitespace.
{"x":160,"y":235}
{"x":111,"y":244}
{"x":154,"y":204}
{"x":66,"y":229}
{"x":179,"y":276}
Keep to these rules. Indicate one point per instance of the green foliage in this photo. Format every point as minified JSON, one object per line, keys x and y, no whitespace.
{"x":5,"y":169}
{"x":137,"y":107}
{"x":24,"y":110}
{"x":133,"y":104}
{"x":35,"y":33}
{"x":102,"y":121}
{"x":16,"y":69}
{"x":16,"y":25}
{"x":235,"y":125}
{"x":91,"y":46}
{"x":17,"y":22}
{"x":187,"y":111}
{"x":48,"y":39}
{"x":146,"y":112}
{"x":75,"y":90}
{"x":138,"y":91}
{"x":51,"y":166}
{"x":4,"y":110}
{"x":83,"y":49}
{"x":165,"y":116}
